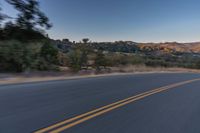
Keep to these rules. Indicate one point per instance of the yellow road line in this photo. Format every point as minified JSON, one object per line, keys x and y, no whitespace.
{"x":105,"y":109}
{"x":88,"y":113}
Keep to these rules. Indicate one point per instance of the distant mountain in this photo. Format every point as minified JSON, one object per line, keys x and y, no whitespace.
{"x":171,"y":47}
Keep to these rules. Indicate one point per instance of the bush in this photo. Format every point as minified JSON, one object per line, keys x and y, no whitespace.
{"x":16,"y":56}
{"x":75,"y":60}
{"x":116,"y":59}
{"x":156,"y":63}
{"x":49,"y":53}
{"x":100,"y":60}
{"x":79,"y":56}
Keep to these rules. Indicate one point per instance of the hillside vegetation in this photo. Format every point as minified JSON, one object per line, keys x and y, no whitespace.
{"x":172,"y":46}
{"x":25,"y":47}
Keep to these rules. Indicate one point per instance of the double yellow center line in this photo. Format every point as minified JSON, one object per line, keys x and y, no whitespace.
{"x":66,"y":124}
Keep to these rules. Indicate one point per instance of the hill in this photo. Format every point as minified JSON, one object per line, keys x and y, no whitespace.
{"x":169,"y":47}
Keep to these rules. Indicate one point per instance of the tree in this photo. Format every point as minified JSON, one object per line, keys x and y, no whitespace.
{"x":66,"y":40}
{"x":47,"y":58}
{"x":1,"y":31}
{"x":79,"y":57}
{"x":29,"y":15}
{"x":85,"y":40}
{"x":29,"y":24}
{"x":84,"y":56}
{"x":15,"y":56}
{"x":100,"y":60}
{"x":1,"y":15}
{"x":13,"y":32}
{"x":75,"y":59}
{"x":49,"y":53}
{"x":197,"y":64}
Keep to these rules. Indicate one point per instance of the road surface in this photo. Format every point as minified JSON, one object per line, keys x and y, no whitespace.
{"x":142,"y":103}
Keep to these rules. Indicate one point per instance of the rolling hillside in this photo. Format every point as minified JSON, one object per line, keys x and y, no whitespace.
{"x":171,"y":47}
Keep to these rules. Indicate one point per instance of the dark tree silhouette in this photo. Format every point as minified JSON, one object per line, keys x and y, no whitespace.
{"x":100,"y":60}
{"x":49,"y":53}
{"x":85,"y":40}
{"x":1,"y":16}
{"x":29,"y":15}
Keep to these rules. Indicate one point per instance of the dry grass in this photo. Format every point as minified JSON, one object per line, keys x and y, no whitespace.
{"x":143,"y":68}
{"x":123,"y":70}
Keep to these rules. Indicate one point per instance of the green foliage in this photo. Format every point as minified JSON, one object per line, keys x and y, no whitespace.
{"x":156,"y":63}
{"x":197,"y":65}
{"x":47,"y":58}
{"x":75,"y":59}
{"x":85,"y":50}
{"x":100,"y":60}
{"x":121,"y":46}
{"x":29,"y":15}
{"x":16,"y":56}
{"x":29,"y":24}
{"x":117,"y":59}
{"x":49,"y":53}
{"x":79,"y":57}
{"x":13,"y":32}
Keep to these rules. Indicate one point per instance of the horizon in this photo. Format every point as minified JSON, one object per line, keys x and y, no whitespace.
{"x":157,"y":21}
{"x":60,"y":39}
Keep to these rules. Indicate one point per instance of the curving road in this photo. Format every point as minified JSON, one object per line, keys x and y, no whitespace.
{"x":60,"y":106}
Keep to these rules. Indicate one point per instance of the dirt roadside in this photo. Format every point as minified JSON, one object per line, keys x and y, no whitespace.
{"x":11,"y":78}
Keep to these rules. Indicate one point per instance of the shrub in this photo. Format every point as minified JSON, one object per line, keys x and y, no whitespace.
{"x":75,"y":60}
{"x":16,"y":56}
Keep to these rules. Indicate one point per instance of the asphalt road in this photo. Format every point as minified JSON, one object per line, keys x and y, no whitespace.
{"x":31,"y":107}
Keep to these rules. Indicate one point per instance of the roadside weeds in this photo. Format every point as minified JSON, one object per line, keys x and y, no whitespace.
{"x":12,"y":78}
